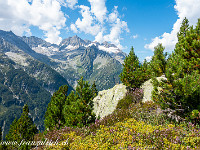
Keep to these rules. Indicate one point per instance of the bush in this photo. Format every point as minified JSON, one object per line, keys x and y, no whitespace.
{"x":133,"y":96}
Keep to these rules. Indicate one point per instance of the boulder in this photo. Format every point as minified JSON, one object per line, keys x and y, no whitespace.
{"x":106,"y":101}
{"x":148,"y":88}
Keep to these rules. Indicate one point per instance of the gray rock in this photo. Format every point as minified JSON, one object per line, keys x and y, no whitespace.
{"x":106,"y":101}
{"x":148,"y":88}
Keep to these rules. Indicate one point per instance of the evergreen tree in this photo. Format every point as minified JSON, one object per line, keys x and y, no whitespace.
{"x":129,"y":76}
{"x":181,"y":90}
{"x":79,"y":105}
{"x":25,"y":125}
{"x":146,"y":70}
{"x":54,"y":114}
{"x":94,"y":89}
{"x":22,"y":129}
{"x":0,"y":134}
{"x":13,"y":134}
{"x":158,"y":62}
{"x":134,"y":73}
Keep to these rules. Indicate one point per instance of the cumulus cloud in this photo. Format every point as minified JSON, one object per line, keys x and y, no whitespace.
{"x":99,"y":9}
{"x":148,"y":58}
{"x":68,"y":3}
{"x":86,"y":24}
{"x":19,"y":15}
{"x":135,"y":36}
{"x":117,"y":27}
{"x":185,"y":8}
{"x":94,"y":19}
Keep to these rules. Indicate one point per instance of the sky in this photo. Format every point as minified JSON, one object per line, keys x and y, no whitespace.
{"x":126,"y":23}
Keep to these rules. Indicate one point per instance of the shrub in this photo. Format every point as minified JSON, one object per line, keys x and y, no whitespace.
{"x":132,"y":96}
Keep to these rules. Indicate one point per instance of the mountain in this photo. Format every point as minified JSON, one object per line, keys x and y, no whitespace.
{"x":31,"y":70}
{"x":24,"y":79}
{"x":75,"y":57}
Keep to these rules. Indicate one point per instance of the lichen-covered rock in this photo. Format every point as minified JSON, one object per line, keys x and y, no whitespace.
{"x":148,"y":88}
{"x":106,"y":101}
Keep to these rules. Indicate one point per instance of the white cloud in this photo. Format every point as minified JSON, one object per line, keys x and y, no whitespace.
{"x":87,"y":24}
{"x":117,"y":27}
{"x":97,"y":20}
{"x":148,"y":58}
{"x":185,"y":8}
{"x":68,"y":3}
{"x":19,"y":15}
{"x":71,"y":3}
{"x":135,"y":36}
{"x":99,"y":9}
{"x":73,"y":28}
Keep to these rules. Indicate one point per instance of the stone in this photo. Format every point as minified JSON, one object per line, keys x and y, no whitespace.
{"x":106,"y":101}
{"x":148,"y":88}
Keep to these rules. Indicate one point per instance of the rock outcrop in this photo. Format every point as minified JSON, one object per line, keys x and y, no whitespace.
{"x":148,"y":88}
{"x":106,"y":101}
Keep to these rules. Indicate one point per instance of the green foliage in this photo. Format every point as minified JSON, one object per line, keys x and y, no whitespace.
{"x":22,"y":129}
{"x":181,"y":90}
{"x":158,"y":62}
{"x":133,"y":74}
{"x":195,"y":116}
{"x":79,"y":105}
{"x":0,"y":134}
{"x":72,"y":110}
{"x":54,"y":115}
{"x":131,"y":97}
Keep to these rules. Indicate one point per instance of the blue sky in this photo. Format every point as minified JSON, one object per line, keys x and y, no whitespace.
{"x":138,"y":23}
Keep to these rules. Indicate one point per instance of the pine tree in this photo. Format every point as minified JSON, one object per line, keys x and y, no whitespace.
{"x":0,"y":134}
{"x":25,"y":124}
{"x":146,"y":70}
{"x":79,"y":105}
{"x":158,"y":62}
{"x":13,"y":134}
{"x":54,"y":114}
{"x":94,"y":89}
{"x":181,"y":90}
{"x":130,"y":75}
{"x":22,"y":129}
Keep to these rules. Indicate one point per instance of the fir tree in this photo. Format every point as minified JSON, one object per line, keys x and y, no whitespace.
{"x":79,"y":105}
{"x":133,"y":74}
{"x":54,"y":114}
{"x":0,"y":134}
{"x":129,"y":76}
{"x":158,"y":62}
{"x":181,"y":90}
{"x":22,"y":129}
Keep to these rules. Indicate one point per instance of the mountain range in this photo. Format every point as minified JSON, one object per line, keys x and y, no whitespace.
{"x":31,"y":70}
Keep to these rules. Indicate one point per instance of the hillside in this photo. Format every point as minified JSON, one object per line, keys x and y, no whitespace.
{"x":16,"y":89}
{"x":24,"y":80}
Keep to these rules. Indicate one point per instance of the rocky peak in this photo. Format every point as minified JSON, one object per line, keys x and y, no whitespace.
{"x":33,"y":41}
{"x":107,"y":45}
{"x":73,"y":41}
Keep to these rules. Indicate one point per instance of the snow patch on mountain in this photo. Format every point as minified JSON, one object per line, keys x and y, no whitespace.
{"x":109,"y":49}
{"x":48,"y":51}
